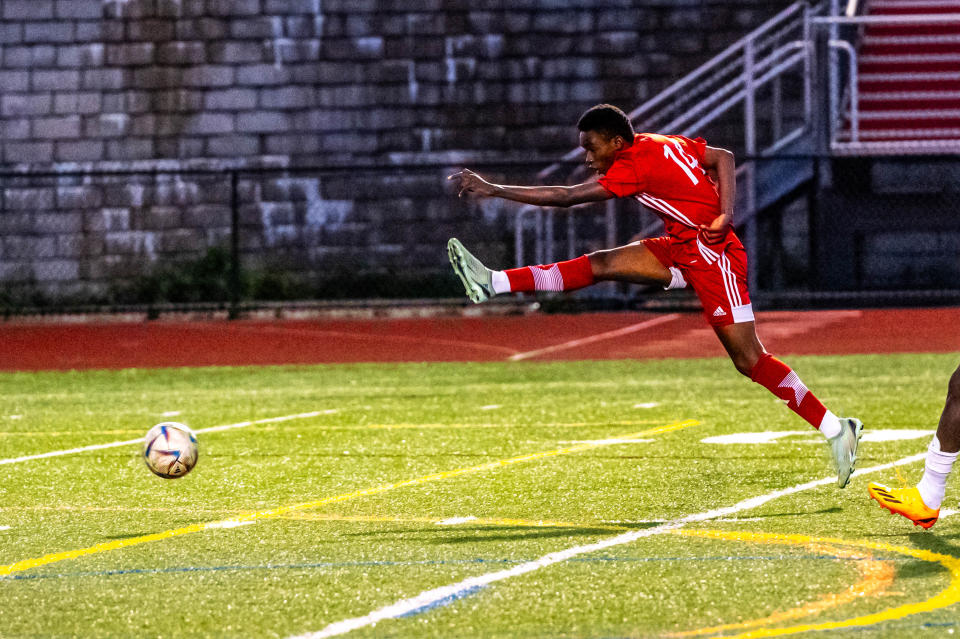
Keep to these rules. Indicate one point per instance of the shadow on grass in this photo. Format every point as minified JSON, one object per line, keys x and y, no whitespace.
{"x":941,"y":544}
{"x":493,"y":532}
{"x":823,"y":511}
{"x":516,"y":533}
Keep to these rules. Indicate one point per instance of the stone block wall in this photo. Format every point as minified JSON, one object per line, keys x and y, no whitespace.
{"x":390,"y":85}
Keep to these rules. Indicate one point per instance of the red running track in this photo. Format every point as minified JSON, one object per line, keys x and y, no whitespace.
{"x":534,"y":337}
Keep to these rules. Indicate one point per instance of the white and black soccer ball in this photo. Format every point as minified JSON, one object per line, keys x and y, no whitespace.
{"x":170,"y":450}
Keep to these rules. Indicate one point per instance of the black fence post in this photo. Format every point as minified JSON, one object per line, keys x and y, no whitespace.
{"x":235,"y":286}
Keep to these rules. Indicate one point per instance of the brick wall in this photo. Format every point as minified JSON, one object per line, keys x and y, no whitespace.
{"x":95,"y":84}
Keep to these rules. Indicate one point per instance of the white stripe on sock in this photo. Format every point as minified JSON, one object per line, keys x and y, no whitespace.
{"x":500,"y":281}
{"x":547,"y":279}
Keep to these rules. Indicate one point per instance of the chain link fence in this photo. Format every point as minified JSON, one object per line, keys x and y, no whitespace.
{"x":232,"y":237}
{"x":854,"y":230}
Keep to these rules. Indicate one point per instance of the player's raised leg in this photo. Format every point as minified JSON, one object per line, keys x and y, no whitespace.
{"x":632,"y":263}
{"x":476,"y":278}
{"x":751,"y":359}
{"x":921,"y":504}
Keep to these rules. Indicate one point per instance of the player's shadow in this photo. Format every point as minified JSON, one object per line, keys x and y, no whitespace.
{"x":132,"y":535}
{"x":806,"y":513}
{"x":516,"y":533}
{"x":940,"y":544}
{"x":492,"y":532}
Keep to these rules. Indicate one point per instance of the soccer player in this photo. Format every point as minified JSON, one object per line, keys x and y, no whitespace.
{"x":671,"y":175}
{"x":921,"y":504}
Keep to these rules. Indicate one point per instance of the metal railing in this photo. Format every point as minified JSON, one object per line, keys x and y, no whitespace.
{"x":731,"y":78}
{"x":852,"y":96}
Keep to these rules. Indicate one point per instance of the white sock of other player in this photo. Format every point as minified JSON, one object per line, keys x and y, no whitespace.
{"x":933,"y":485}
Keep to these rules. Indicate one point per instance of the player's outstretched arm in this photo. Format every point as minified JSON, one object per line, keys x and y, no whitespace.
{"x":722,"y":163}
{"x":469,"y":182}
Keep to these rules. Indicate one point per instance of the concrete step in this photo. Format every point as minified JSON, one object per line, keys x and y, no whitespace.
{"x":909,"y":63}
{"x":942,"y":134}
{"x":870,"y":41}
{"x":911,"y":30}
{"x":908,"y":100}
{"x":942,"y":44}
{"x":913,"y":8}
{"x":935,"y":81}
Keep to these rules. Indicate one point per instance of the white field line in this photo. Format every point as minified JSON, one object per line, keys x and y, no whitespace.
{"x":607,"y":442}
{"x":5,"y":527}
{"x":129,"y":442}
{"x":453,"y":521}
{"x":229,"y":523}
{"x":599,"y":337}
{"x":429,"y":598}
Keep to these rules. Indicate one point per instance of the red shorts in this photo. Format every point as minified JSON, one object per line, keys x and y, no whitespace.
{"x":717,"y":273}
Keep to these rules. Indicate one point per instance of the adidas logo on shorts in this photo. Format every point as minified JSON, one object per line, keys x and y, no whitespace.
{"x":719,"y":312}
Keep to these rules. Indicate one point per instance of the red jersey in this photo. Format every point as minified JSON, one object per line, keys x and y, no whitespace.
{"x":665,"y":173}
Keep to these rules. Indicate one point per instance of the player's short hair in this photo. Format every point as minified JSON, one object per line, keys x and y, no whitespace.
{"x":608,"y":120}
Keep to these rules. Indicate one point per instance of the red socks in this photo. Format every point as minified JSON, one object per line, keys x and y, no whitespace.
{"x":561,"y":276}
{"x":779,"y":379}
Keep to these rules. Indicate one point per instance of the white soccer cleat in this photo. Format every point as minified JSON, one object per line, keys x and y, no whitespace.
{"x":477,"y":279}
{"x":843,"y":447}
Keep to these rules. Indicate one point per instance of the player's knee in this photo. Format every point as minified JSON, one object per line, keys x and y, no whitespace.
{"x":745,"y":360}
{"x":744,"y":363}
{"x":600,"y":263}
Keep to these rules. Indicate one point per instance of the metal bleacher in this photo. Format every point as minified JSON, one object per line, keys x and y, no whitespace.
{"x":767,"y":75}
{"x":810,"y":85}
{"x":905,"y":96}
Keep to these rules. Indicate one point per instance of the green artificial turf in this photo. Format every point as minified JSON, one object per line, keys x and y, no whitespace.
{"x":309,"y":564}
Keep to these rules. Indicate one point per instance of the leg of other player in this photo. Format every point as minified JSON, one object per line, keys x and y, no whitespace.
{"x":921,"y":504}
{"x":948,"y":430}
{"x":942,"y":452}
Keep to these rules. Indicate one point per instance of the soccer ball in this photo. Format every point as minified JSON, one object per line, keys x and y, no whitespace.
{"x":170,"y":450}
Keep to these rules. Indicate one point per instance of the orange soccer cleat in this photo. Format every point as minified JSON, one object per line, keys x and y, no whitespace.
{"x":906,"y":502}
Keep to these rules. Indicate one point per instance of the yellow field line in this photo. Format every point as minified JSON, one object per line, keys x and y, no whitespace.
{"x":27,"y":564}
{"x":945,"y":598}
{"x":623,"y":422}
{"x":876,"y":576}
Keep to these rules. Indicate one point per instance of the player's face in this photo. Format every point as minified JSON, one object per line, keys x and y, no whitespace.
{"x":600,"y":149}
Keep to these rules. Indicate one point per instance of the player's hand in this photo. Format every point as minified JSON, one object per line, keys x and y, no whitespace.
{"x":716,"y":231}
{"x":469,"y":182}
